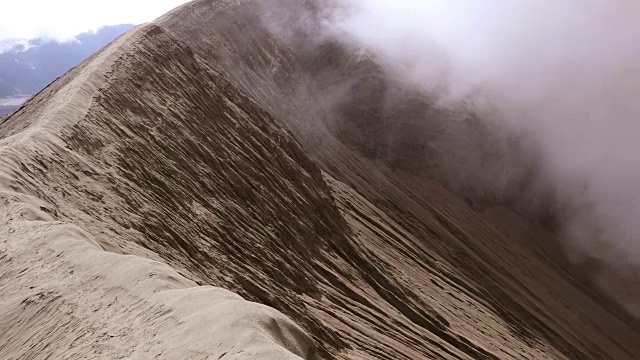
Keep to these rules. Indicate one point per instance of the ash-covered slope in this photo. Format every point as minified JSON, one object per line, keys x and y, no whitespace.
{"x":169,"y":145}
{"x":86,"y":168}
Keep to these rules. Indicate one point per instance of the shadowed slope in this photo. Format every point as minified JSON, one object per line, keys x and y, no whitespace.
{"x":511,"y":265}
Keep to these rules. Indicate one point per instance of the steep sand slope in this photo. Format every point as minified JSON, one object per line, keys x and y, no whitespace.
{"x":509,"y":269}
{"x":63,"y":296}
{"x":147,"y":150}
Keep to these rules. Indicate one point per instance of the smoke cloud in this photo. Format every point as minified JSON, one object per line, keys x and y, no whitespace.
{"x":561,"y":76}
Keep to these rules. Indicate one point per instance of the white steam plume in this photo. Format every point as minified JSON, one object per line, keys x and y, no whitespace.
{"x":565,"y":71}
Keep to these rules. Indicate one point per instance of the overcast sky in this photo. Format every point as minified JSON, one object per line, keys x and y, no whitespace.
{"x":62,"y":19}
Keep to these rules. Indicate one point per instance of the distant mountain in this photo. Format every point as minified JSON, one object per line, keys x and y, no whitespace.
{"x":9,"y":104}
{"x":4,"y":110}
{"x":27,"y":67}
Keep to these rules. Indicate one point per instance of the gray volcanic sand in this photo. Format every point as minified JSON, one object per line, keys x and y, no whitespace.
{"x":167,"y":167}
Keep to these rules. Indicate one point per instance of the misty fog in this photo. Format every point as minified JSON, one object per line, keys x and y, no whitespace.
{"x":563,"y":74}
{"x":533,"y":103}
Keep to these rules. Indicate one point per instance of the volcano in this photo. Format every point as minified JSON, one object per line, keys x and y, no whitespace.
{"x":192,"y":191}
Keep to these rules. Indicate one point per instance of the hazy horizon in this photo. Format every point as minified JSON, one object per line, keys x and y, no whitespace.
{"x":64,"y":19}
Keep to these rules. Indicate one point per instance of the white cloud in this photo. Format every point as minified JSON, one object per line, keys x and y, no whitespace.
{"x":566,"y":71}
{"x":62,"y":19}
